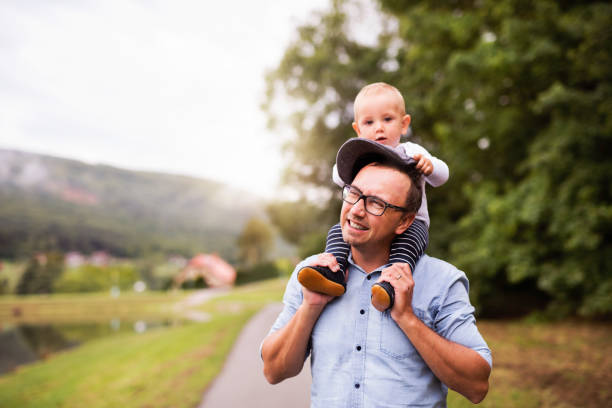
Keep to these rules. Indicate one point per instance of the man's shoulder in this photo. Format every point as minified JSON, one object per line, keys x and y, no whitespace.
{"x":306,"y":261}
{"x":439,"y":268}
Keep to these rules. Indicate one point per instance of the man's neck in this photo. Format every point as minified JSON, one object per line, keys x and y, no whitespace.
{"x":370,"y":258}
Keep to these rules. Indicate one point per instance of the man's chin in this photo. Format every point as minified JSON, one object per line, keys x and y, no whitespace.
{"x":351,"y":240}
{"x":347,"y":238}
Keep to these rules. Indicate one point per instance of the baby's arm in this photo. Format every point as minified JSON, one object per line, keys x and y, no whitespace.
{"x":435,"y":170}
{"x":424,"y":164}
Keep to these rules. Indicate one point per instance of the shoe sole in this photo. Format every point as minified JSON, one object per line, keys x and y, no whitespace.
{"x":380,"y":298}
{"x":312,"y":280}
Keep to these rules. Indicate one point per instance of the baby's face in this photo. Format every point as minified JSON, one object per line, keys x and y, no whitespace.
{"x":379,"y":117}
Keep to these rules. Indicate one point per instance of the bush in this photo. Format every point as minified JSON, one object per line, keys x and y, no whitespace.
{"x":90,"y":278}
{"x":41,"y":273}
{"x":313,"y":243}
{"x":264,"y":270}
{"x":10,"y":276}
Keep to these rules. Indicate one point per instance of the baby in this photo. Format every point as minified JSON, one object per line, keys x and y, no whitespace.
{"x":380,"y":116}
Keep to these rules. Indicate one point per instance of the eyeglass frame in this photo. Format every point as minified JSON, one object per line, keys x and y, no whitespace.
{"x":348,"y":187}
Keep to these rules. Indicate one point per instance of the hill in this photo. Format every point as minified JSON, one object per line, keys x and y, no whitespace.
{"x":49,"y":203}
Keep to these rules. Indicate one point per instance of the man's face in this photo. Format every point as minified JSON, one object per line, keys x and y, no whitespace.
{"x":364,"y":231}
{"x":380,"y":118}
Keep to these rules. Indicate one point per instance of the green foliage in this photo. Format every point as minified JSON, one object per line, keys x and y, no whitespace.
{"x":157,"y":272}
{"x":197,"y":283}
{"x":259,"y":272}
{"x":516,"y":97}
{"x":295,"y":219}
{"x":41,"y":273}
{"x":255,"y":242}
{"x":10,"y":275}
{"x":91,"y":278}
{"x":313,"y":243}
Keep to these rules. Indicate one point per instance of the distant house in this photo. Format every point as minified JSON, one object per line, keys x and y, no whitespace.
{"x":74,"y":259}
{"x":100,"y":258}
{"x":210,"y":267}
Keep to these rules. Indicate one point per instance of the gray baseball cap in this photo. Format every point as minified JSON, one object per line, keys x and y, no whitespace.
{"x":357,"y":152}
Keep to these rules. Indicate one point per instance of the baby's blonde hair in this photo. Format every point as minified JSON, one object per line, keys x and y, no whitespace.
{"x":377,"y":88}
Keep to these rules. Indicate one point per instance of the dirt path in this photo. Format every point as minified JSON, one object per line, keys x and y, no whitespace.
{"x":241,"y":382}
{"x":185,"y":306}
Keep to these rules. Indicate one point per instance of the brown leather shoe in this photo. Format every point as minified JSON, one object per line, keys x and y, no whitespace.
{"x":322,"y":280}
{"x":383,"y":296}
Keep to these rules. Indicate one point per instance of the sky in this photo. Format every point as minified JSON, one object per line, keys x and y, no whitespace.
{"x":168,"y":86}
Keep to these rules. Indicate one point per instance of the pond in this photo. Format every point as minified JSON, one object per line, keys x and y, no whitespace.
{"x":26,"y":343}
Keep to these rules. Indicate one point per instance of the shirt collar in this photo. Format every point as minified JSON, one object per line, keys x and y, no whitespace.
{"x":351,"y":262}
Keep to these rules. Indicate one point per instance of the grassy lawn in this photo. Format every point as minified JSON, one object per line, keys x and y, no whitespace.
{"x":547,"y":365}
{"x":564,"y":365}
{"x":72,"y":308}
{"x":165,"y":367}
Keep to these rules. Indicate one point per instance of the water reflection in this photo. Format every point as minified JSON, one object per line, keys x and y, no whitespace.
{"x":27,"y":343}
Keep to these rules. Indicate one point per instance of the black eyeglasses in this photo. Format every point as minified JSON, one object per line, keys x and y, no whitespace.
{"x":373,"y":204}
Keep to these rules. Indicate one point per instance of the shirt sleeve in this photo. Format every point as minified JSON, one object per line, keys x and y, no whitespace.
{"x":292,"y":299}
{"x":440,"y":172}
{"x":455,"y":319}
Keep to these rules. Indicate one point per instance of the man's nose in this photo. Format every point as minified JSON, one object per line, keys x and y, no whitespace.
{"x":359,"y":207}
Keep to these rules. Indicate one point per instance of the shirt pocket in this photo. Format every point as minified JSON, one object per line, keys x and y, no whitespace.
{"x":393,"y":341}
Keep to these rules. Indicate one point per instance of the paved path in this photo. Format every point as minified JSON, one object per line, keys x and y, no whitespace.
{"x":241,"y":382}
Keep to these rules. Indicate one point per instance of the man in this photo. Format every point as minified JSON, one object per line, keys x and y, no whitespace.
{"x":361,"y":357}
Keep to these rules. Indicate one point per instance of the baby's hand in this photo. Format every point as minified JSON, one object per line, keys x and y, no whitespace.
{"x":424,"y":165}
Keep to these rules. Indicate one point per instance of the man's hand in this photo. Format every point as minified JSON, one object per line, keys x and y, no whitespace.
{"x":424,"y":165}
{"x":314,"y":299}
{"x":329,"y":260}
{"x":400,"y":277}
{"x":318,"y":299}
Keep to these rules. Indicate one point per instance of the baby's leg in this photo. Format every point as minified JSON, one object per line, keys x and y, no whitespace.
{"x":336,"y":246}
{"x":405,"y":248}
{"x":410,"y":246}
{"x":321,"y":279}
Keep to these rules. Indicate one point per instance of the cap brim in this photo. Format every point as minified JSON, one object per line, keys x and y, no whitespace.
{"x":356,"y":153}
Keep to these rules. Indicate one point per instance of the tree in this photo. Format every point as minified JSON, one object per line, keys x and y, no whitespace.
{"x":41,"y":273}
{"x":517,"y":98}
{"x":255,"y":242}
{"x":321,"y":71}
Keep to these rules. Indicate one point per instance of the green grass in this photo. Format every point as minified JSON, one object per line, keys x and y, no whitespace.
{"x":546,"y":365}
{"x":58,"y":308}
{"x":166,"y":367}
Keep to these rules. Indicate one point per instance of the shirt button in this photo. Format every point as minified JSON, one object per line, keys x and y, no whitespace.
{"x":356,"y":385}
{"x":362,"y":311}
{"x":358,"y":348}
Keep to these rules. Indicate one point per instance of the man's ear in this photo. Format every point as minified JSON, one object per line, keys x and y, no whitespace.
{"x":356,"y":129}
{"x":405,"y":222}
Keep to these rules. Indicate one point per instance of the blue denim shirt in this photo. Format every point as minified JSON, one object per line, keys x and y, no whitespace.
{"x":361,"y":358}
